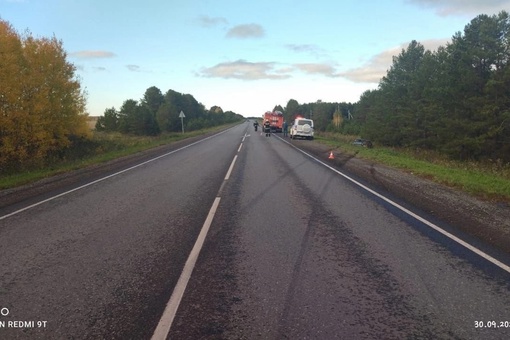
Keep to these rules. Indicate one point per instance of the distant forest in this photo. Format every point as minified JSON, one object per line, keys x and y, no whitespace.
{"x":455,"y":100}
{"x":43,"y":116}
{"x":156,"y":113}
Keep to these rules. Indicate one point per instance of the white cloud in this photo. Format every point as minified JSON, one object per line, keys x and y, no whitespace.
{"x":246,"y":31}
{"x":242,"y":69}
{"x":317,"y":68}
{"x":378,"y":65}
{"x":207,"y":21}
{"x":464,"y":7}
{"x":245,"y":70}
{"x":310,"y":49}
{"x":374,"y":69}
{"x":305,"y":48}
{"x":90,"y":54}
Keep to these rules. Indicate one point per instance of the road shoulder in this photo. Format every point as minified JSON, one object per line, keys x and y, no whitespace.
{"x":487,"y":221}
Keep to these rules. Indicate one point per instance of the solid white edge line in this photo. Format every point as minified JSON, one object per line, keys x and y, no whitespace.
{"x":227,"y":176}
{"x":168,"y":316}
{"x":419,"y":218}
{"x":109,"y":176}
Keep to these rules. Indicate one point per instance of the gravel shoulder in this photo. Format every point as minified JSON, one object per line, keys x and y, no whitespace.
{"x":486,"y":221}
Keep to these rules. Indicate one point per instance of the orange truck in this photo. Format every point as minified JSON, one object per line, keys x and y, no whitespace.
{"x":275,"y":119}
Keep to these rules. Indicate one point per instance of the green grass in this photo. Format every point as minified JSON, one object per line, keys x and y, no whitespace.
{"x":489,"y":180}
{"x":110,"y":146}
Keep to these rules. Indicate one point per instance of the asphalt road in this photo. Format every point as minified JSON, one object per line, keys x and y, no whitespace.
{"x":294,"y":251}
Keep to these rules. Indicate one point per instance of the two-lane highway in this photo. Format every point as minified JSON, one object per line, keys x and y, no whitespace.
{"x":293,"y":250}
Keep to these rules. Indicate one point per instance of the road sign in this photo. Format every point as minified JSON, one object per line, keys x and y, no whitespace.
{"x":182,"y":116}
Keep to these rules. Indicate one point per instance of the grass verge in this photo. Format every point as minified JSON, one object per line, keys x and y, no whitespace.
{"x":488,"y":180}
{"x":109,"y":146}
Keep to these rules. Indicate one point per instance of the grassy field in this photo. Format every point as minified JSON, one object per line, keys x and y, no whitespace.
{"x":489,"y":180}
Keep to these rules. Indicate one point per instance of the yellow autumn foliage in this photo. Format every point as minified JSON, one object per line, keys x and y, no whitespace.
{"x":42,"y":104}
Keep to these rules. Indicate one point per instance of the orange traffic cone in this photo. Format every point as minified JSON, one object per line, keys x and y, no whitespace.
{"x":331,"y":156}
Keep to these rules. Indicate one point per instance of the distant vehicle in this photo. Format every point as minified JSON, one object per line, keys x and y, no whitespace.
{"x":275,"y":119}
{"x":301,"y":127}
{"x":362,"y":142}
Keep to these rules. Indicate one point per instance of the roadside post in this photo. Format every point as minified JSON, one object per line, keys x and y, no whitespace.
{"x":182,"y":116}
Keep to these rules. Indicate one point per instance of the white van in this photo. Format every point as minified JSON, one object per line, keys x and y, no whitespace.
{"x":302,"y":127}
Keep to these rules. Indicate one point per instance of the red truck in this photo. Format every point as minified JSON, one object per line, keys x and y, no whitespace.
{"x":275,"y":119}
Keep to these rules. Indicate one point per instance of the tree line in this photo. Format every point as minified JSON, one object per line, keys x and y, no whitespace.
{"x":157,"y":112}
{"x":42,"y":105}
{"x":455,"y":100}
{"x":326,"y":116}
{"x":43,"y":115}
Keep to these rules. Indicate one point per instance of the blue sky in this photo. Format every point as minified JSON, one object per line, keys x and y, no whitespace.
{"x":245,"y":56}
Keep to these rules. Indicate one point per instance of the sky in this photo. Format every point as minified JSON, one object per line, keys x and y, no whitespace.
{"x":244,"y":56}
